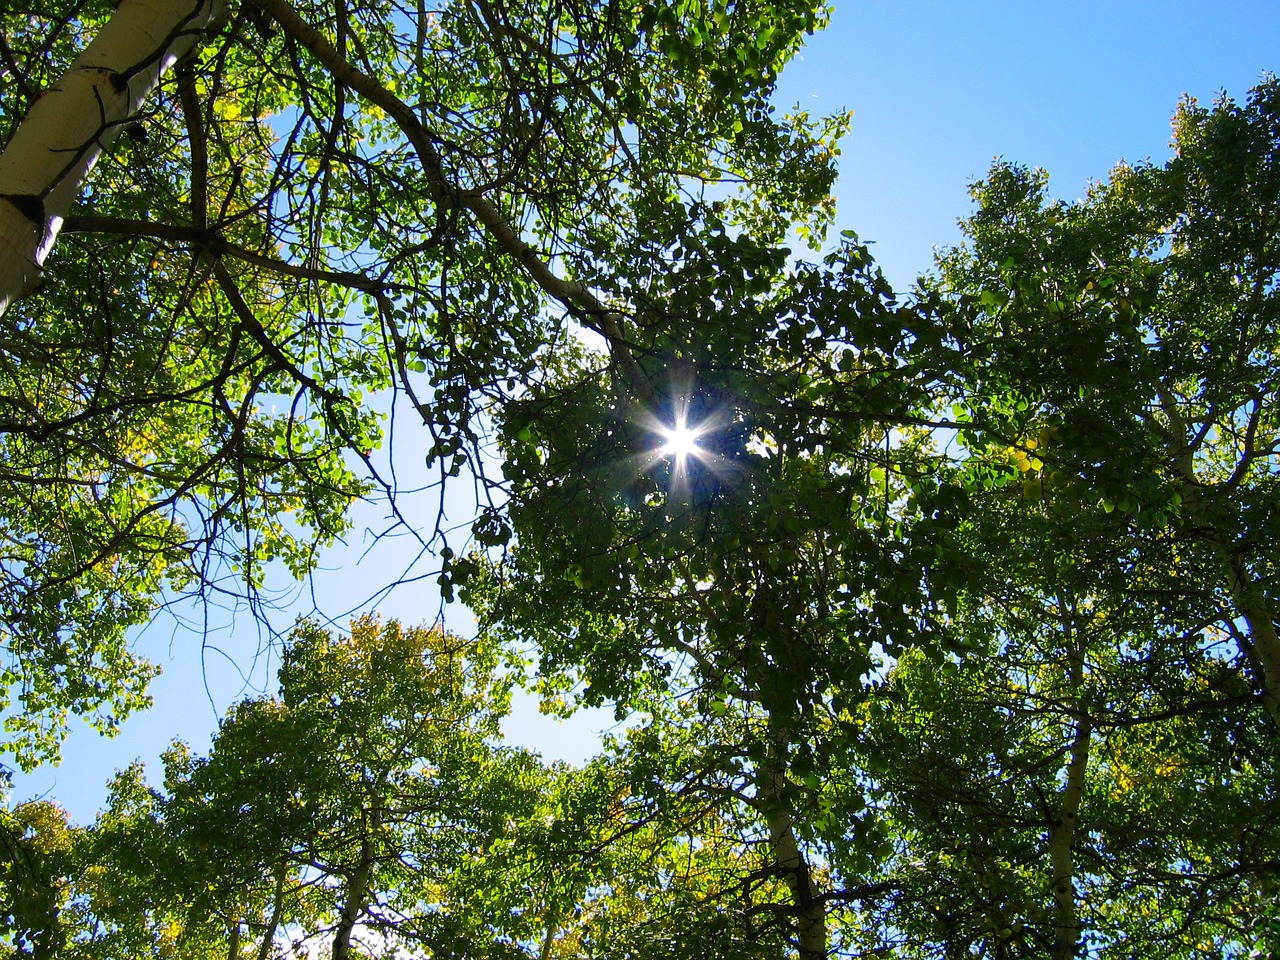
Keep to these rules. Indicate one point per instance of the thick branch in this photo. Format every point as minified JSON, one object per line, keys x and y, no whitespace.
{"x":46,"y":163}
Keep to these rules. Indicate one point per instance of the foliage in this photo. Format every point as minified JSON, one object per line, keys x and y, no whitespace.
{"x":329,"y":201}
{"x":366,"y":808}
{"x":1128,"y":344}
{"x":953,"y":634}
{"x":974,"y":573}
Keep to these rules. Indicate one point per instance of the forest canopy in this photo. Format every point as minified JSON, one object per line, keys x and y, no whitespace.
{"x":949,"y":630}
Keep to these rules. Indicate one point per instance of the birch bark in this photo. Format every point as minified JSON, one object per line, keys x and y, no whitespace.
{"x":1066,"y":924}
{"x":45,"y":164}
{"x":789,"y":860}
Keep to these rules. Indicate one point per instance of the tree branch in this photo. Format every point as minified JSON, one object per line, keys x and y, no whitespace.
{"x":577,"y":299}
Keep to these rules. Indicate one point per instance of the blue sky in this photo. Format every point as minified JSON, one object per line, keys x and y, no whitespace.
{"x":938,"y":90}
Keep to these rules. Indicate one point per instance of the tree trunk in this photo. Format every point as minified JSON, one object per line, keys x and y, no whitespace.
{"x":811,"y":915}
{"x":46,"y":163}
{"x":1066,"y":923}
{"x":277,"y":913}
{"x":357,"y":889}
{"x":789,"y":860}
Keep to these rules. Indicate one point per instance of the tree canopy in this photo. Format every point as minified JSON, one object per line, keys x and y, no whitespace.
{"x":976,"y":572}
{"x":949,"y":628}
{"x":317,"y":204}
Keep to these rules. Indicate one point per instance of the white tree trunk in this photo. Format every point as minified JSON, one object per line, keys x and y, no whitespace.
{"x":1062,"y":833}
{"x":46,"y":163}
{"x":788,"y":859}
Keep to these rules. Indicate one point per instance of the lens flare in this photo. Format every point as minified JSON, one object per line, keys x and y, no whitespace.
{"x":680,"y":441}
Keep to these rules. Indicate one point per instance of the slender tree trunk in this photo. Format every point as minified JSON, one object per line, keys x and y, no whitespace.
{"x":277,"y":912}
{"x":46,"y":163}
{"x":1255,"y":608}
{"x":548,"y":942}
{"x":811,"y":914}
{"x":1066,"y":922}
{"x":264,"y":950}
{"x":357,"y":890}
{"x":789,"y":860}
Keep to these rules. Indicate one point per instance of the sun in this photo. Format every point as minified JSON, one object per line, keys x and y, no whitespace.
{"x":680,"y":441}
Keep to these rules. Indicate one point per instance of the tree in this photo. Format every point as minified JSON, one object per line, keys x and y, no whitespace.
{"x":943,"y":628}
{"x":320,"y":202}
{"x":1137,"y":331}
{"x":756,"y":577}
{"x":1085,"y":763}
{"x":344,"y":811}
{"x":1050,"y":597}
{"x":367,"y":808}
{"x":36,"y":845}
{"x":1112,"y":374}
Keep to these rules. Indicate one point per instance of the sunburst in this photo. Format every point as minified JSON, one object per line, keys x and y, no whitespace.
{"x":680,"y":440}
{"x":686,"y":439}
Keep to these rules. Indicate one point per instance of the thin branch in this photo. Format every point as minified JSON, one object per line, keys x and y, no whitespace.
{"x":577,"y":299}
{"x":214,"y":243}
